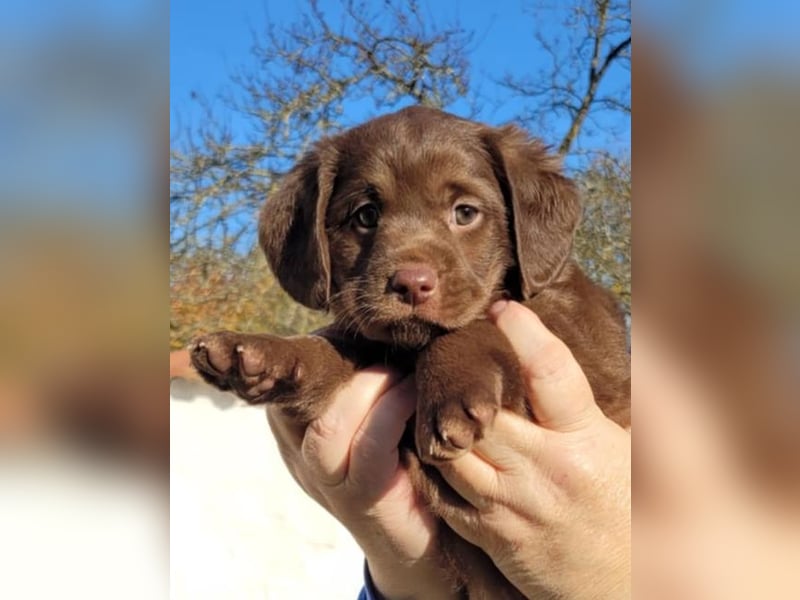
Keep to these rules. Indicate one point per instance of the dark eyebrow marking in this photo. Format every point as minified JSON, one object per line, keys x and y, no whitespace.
{"x":372,"y":192}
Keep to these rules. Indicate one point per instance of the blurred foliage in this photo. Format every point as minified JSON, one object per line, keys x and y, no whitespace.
{"x":602,"y":242}
{"x":211,"y":290}
{"x":308,"y":75}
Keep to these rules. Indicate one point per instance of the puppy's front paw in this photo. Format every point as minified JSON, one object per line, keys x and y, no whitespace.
{"x":452,"y":415}
{"x":259,"y":368}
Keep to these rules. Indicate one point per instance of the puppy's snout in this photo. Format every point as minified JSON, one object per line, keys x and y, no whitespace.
{"x":414,"y":284}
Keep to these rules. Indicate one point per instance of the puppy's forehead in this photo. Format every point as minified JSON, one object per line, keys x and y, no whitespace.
{"x":404,"y":152}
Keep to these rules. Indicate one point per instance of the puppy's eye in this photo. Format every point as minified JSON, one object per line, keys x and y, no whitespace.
{"x":465,"y":214}
{"x":367,"y":216}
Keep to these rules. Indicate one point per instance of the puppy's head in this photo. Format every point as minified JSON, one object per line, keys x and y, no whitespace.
{"x":412,"y":223}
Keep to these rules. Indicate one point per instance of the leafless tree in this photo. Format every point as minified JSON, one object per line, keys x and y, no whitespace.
{"x":602,"y":243}
{"x":594,"y":39}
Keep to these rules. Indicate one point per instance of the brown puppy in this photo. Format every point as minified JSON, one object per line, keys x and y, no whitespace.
{"x":407,"y":228}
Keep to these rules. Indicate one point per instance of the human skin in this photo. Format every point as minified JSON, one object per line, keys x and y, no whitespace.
{"x":348,"y":461}
{"x":550,"y":500}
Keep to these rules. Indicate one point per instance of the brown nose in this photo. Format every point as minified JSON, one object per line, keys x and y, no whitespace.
{"x":415,"y":284}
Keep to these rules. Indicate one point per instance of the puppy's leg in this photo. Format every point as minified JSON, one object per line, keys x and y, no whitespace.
{"x":463,"y":379}
{"x":300,"y":373}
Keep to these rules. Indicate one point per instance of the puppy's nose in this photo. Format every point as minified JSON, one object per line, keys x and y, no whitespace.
{"x":415,"y":285}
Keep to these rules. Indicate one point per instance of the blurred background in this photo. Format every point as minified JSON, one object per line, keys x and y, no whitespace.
{"x":715,"y":337}
{"x":84,"y":431}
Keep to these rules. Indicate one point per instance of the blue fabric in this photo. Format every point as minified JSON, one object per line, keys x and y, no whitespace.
{"x":368,"y":592}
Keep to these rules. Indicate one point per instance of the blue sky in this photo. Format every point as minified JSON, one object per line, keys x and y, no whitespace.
{"x":210,"y":39}
{"x":717,"y":39}
{"x":81,"y":82}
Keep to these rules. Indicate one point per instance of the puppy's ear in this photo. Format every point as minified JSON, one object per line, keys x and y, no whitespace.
{"x":292,"y":228}
{"x":542,"y":205}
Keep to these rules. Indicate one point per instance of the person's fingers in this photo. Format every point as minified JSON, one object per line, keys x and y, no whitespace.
{"x":373,"y":451}
{"x":287,"y":432}
{"x":509,"y":438}
{"x":466,"y":522}
{"x":326,"y":445}
{"x":559,"y":393}
{"x":472,"y":478}
{"x":509,"y":445}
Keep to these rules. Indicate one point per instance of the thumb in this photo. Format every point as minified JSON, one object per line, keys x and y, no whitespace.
{"x":559,"y":392}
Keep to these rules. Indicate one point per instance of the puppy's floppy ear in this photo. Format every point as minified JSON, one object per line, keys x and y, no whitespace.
{"x":292,"y":228}
{"x":542,"y":205}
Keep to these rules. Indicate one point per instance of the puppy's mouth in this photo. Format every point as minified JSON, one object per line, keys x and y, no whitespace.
{"x":413,"y":332}
{"x":391,"y":319}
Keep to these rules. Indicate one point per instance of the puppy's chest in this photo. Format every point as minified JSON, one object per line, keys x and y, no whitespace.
{"x":365,"y":353}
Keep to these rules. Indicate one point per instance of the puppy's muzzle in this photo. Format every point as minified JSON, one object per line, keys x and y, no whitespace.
{"x":414,"y":284}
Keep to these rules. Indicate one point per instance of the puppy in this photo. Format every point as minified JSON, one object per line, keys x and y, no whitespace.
{"x":407,"y":228}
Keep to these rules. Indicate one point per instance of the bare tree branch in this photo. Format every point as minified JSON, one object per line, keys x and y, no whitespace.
{"x":595,"y":38}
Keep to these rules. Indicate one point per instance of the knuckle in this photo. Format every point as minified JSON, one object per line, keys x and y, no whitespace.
{"x":321,"y":429}
{"x":580,"y":471}
{"x":320,"y":452}
{"x":366,"y":445}
{"x":310,"y":450}
{"x":552,"y":359}
{"x":504,"y":544}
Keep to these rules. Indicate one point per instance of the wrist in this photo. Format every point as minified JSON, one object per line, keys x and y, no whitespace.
{"x":393,"y":580}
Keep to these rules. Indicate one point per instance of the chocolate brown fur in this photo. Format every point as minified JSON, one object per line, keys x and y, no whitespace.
{"x":409,"y":281}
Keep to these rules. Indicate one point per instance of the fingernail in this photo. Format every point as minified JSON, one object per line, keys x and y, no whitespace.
{"x":497,"y":308}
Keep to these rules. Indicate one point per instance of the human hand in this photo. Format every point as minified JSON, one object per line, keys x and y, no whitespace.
{"x":550,"y":501}
{"x":348,"y":461}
